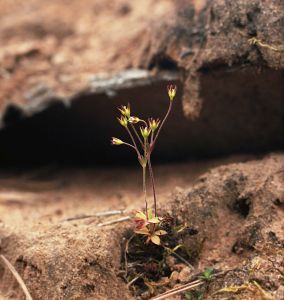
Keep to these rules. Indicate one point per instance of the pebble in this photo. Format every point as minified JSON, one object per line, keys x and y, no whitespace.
{"x":178,"y":267}
{"x":171,"y":261}
{"x":174,"y":278}
{"x":184,"y":274}
{"x":145,"y":295}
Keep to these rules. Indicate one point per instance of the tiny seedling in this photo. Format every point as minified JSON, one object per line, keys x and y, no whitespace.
{"x":143,"y":142}
{"x":207,"y":274}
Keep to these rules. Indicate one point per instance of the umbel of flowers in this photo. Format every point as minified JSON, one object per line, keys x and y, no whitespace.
{"x":143,"y":141}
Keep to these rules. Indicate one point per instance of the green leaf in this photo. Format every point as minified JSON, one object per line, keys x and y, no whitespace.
{"x":154,"y":220}
{"x":150,"y":213}
{"x":140,"y":215}
{"x":207,"y":274}
{"x":160,"y":232}
{"x":155,"y":240}
{"x":144,"y":231}
{"x":208,"y":271}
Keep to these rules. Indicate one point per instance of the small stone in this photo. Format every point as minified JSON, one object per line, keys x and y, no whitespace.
{"x":145,"y":295}
{"x":174,"y":278}
{"x":184,"y":274}
{"x":178,"y":267}
{"x":171,"y":261}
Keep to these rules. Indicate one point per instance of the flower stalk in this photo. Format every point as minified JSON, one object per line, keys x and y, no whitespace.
{"x":146,"y":141}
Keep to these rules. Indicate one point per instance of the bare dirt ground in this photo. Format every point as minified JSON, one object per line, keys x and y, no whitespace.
{"x":227,"y":59}
{"x":236,"y":209}
{"x":50,"y":194}
{"x":37,"y":200}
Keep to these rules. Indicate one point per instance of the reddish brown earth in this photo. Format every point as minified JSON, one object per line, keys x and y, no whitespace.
{"x":65,"y":66}
{"x":62,"y":45}
{"x":237,"y":210}
{"x":33,"y":205}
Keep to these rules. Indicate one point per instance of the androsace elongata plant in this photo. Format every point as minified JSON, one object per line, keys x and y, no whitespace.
{"x":146,"y":141}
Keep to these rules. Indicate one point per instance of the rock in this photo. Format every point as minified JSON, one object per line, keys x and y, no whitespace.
{"x":222,"y":56}
{"x":239,"y":221}
{"x":178,"y":267}
{"x":171,"y":261}
{"x":174,"y":278}
{"x":184,"y":274}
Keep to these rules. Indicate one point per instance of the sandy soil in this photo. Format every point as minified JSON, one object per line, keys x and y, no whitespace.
{"x":235,"y":209}
{"x":51,"y":194}
{"x":33,"y":204}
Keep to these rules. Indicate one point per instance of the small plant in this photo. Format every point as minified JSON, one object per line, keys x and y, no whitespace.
{"x":143,"y":142}
{"x":207,"y":274}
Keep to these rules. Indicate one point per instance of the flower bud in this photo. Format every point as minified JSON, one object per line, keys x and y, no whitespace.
{"x":133,"y":120}
{"x":172,"y":90}
{"x":125,"y":110}
{"x":145,"y":132}
{"x":116,"y":141}
{"x":123,"y":121}
{"x":153,"y":124}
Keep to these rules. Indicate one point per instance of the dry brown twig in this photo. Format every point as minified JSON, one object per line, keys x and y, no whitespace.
{"x":95,"y":215}
{"x":179,"y":289}
{"x":186,"y":287}
{"x":114,"y":221}
{"x":183,"y":260}
{"x":17,"y":276}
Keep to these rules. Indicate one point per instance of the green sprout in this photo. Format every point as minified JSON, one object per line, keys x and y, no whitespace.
{"x":207,"y":274}
{"x":143,"y":142}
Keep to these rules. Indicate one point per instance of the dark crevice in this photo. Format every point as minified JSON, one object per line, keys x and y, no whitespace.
{"x":242,"y":207}
{"x":13,"y":115}
{"x":163,"y":63}
{"x":242,"y":113}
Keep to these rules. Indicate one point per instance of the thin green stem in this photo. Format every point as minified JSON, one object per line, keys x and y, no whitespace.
{"x":145,"y":123}
{"x":127,"y":144}
{"x":136,"y":133}
{"x":152,"y":138}
{"x":144,"y":175}
{"x":162,"y":124}
{"x":133,"y":141}
{"x":145,"y":191}
{"x":153,"y":183}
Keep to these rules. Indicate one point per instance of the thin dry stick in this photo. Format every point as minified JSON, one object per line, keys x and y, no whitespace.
{"x":98,"y":214}
{"x":181,"y":289}
{"x":186,"y":287}
{"x":133,"y":280}
{"x":183,"y":260}
{"x":17,"y":276}
{"x":114,"y":221}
